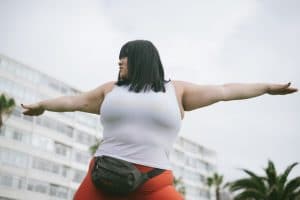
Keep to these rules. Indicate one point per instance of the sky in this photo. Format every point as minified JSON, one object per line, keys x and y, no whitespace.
{"x":204,"y":42}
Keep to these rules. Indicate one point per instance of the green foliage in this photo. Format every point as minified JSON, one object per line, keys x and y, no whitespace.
{"x":179,"y":185}
{"x":95,"y":146}
{"x":268,"y":187}
{"x":7,"y":105}
{"x":215,"y":180}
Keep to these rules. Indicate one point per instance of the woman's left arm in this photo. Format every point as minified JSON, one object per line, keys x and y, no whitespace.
{"x":235,"y":91}
{"x":196,"y":96}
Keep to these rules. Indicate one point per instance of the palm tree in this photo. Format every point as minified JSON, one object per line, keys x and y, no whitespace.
{"x":269,"y":187}
{"x":6,"y":107}
{"x":215,"y":180}
{"x":179,"y":185}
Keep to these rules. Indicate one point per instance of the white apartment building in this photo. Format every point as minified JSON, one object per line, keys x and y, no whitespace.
{"x":43,"y":157}
{"x":194,"y":163}
{"x":46,"y":157}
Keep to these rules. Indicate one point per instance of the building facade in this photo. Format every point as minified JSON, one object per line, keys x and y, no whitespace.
{"x":193,"y":163}
{"x":46,"y":157}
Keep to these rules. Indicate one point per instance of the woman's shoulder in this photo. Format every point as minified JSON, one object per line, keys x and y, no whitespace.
{"x":178,"y":85}
{"x":179,"y":89}
{"x":108,"y":86}
{"x":183,"y":84}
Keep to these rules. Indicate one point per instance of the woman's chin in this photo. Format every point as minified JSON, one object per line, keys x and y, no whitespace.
{"x":123,"y":77}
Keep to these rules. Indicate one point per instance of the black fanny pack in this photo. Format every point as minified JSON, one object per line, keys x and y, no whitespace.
{"x":119,"y":177}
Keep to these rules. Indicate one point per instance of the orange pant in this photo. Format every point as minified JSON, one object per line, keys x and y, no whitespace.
{"x":158,"y":187}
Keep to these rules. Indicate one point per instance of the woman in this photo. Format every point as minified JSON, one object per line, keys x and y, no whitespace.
{"x":141,"y":114}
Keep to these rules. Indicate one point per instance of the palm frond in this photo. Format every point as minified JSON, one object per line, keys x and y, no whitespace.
{"x":295,"y":195}
{"x":283,"y":177}
{"x":271,"y":174}
{"x":291,"y":187}
{"x":209,"y":181}
{"x":245,"y":184}
{"x":258,"y":180}
{"x":249,"y":194}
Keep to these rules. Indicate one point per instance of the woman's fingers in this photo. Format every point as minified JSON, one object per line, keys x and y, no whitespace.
{"x":287,"y":89}
{"x":31,"y":112}
{"x":282,"y":89}
{"x":26,"y":106}
{"x":30,"y":109}
{"x":284,"y":86}
{"x":27,"y":113}
{"x":291,"y":90}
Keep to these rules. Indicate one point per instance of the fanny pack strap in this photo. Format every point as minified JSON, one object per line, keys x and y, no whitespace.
{"x":155,"y":172}
{"x":150,"y":174}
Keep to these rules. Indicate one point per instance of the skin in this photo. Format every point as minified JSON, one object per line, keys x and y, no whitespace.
{"x":190,"y":96}
{"x":123,"y":67}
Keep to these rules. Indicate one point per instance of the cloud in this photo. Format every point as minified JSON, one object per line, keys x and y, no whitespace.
{"x":61,"y":37}
{"x":192,"y":29}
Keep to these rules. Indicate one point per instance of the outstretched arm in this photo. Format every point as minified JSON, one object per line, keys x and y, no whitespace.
{"x":89,"y":102}
{"x":196,"y":96}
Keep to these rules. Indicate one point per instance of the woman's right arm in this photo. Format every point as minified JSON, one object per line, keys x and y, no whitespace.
{"x":89,"y":102}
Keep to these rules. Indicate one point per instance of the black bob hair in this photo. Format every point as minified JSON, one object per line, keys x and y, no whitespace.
{"x":145,"y":70}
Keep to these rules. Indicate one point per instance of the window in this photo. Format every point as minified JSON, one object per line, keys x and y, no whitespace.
{"x":58,"y":191}
{"x":82,"y":157}
{"x":66,"y":129}
{"x":65,"y":171}
{"x":209,"y":167}
{"x":2,"y":131}
{"x":4,"y":198}
{"x":45,"y":165}
{"x":83,"y":138}
{"x":12,"y":157}
{"x":12,"y":181}
{"x":37,"y":186}
{"x":178,"y":155}
{"x":55,"y":125}
{"x":191,"y":162}
{"x":86,"y":119}
{"x":201,"y":165}
{"x":78,"y":176}
{"x":6,"y":180}
{"x":62,"y":149}
{"x":47,"y":122}
{"x":49,"y":166}
{"x":190,"y":147}
{"x":6,"y":86}
{"x":42,"y":142}
{"x":17,"y":134}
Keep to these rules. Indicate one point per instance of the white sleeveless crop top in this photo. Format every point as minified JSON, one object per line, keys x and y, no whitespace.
{"x":140,"y":127}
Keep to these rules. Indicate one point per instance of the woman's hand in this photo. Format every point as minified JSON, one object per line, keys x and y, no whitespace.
{"x":281,"y":89}
{"x":33,"y":109}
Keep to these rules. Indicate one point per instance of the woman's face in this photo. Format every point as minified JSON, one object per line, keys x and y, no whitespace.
{"x":123,"y":68}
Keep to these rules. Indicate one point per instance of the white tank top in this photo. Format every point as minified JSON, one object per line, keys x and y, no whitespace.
{"x":140,"y":127}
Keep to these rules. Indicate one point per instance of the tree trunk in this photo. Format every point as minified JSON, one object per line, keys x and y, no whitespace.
{"x":218,"y":193}
{"x":1,"y":121}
